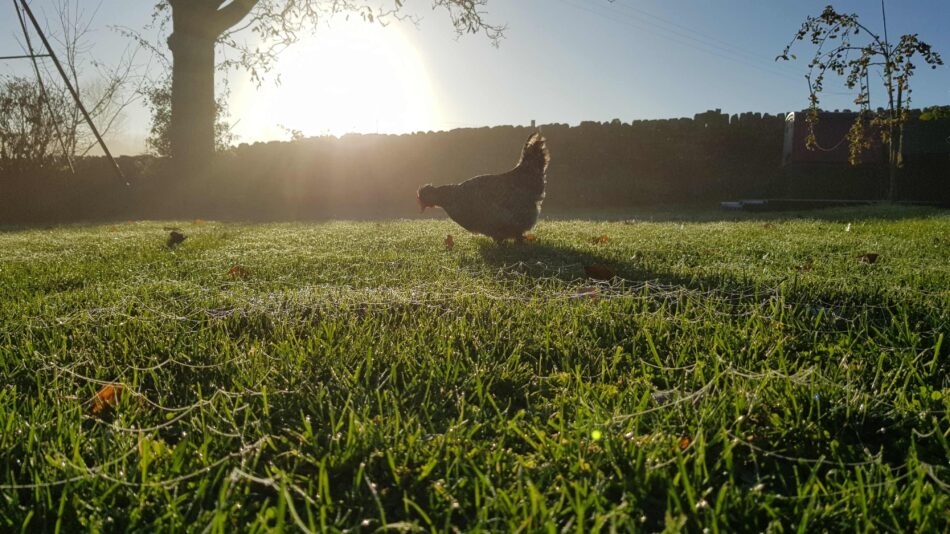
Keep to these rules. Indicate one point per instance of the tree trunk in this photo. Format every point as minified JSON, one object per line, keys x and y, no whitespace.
{"x":193,"y":107}
{"x":895,"y":160}
{"x":891,"y":165}
{"x":196,"y":26}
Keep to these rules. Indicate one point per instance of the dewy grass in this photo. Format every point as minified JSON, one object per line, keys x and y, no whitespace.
{"x":749,"y":375}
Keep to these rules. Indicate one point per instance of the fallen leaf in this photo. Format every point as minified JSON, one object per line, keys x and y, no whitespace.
{"x":449,"y":242}
{"x":684,"y":443}
{"x":239,"y":272}
{"x":175,"y":239}
{"x":530,"y":237}
{"x":870,"y":258}
{"x":600,"y":240}
{"x":599,"y":272}
{"x":107,"y":397}
{"x":199,"y":222}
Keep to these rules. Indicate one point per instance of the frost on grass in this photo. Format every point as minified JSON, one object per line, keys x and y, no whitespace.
{"x":362,"y":372}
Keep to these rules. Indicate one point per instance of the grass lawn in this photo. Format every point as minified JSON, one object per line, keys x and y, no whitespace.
{"x":752,"y":375}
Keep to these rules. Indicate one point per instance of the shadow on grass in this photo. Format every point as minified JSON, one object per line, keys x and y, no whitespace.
{"x":550,"y":261}
{"x":541,"y":259}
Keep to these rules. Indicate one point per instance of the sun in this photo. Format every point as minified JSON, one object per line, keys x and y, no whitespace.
{"x":350,"y":77}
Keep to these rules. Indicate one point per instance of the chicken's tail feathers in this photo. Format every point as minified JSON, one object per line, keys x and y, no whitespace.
{"x":535,"y":154}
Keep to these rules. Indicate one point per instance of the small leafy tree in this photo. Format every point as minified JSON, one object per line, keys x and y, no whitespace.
{"x":847,"y":48}
{"x":40,"y":125}
{"x":27,"y":130}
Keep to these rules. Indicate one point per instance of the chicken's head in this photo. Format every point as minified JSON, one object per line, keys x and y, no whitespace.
{"x":425,"y":196}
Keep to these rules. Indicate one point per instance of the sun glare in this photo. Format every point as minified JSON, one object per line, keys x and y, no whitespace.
{"x":350,"y":77}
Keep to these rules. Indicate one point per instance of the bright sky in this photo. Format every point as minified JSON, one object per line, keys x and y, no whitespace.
{"x":561,"y":61}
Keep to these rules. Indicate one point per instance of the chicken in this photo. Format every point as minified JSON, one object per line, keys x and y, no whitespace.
{"x":501,"y":206}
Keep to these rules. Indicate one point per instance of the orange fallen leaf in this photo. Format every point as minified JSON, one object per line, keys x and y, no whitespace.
{"x":684,"y":443}
{"x":600,"y":240}
{"x":530,"y":237}
{"x":449,"y":242}
{"x":239,"y":272}
{"x":599,"y":272}
{"x":107,"y":397}
{"x":199,"y":222}
{"x":870,"y":258}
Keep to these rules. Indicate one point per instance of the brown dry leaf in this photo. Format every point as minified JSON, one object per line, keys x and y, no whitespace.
{"x":684,"y":443}
{"x":199,"y":222}
{"x":449,"y":242}
{"x":870,"y":258}
{"x":239,"y":272}
{"x":175,"y":239}
{"x":600,"y":240}
{"x":530,"y":237}
{"x":599,"y":272}
{"x":107,"y":397}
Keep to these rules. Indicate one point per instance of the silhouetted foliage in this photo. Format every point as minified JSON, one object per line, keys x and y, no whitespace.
{"x":594,"y":167}
{"x":847,"y":48}
{"x":935,"y":113}
{"x":27,"y":130}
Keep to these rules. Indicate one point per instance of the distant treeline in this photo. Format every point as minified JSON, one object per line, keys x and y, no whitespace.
{"x":703,"y":160}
